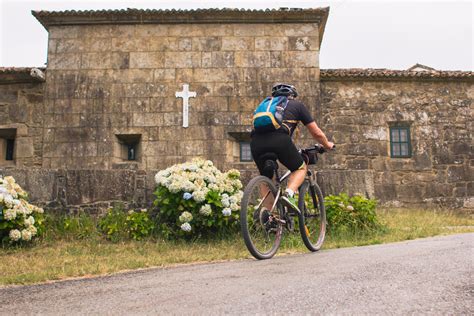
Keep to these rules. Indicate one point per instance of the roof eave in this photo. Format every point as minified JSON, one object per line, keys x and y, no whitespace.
{"x":200,"y":16}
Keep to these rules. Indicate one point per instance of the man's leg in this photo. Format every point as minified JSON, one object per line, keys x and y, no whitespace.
{"x":297,"y":178}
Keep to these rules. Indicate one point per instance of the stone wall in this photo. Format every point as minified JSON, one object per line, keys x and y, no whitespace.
{"x":105,"y":82}
{"x":21,"y":109}
{"x":357,"y":115}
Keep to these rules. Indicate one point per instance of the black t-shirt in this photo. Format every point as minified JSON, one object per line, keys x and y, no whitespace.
{"x":295,"y":112}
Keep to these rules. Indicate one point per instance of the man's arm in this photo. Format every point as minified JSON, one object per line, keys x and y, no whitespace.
{"x":318,"y":134}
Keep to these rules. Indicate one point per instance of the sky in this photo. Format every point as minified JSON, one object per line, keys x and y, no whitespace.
{"x":358,"y":34}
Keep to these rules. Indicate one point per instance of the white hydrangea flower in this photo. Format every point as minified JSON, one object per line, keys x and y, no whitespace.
{"x":185,"y":217}
{"x":30,"y":221}
{"x":350,"y":208}
{"x":233,"y":199}
{"x":14,"y":235}
{"x":213,"y":187}
{"x":226,"y":212}
{"x":9,"y":214}
{"x":143,"y":210}
{"x":205,"y":210}
{"x":26,"y":235}
{"x":234,"y":207}
{"x":33,"y":230}
{"x":200,"y":195}
{"x":186,"y":227}
{"x":8,"y":200}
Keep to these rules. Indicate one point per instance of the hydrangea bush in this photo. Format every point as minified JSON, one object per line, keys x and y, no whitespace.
{"x":195,"y":198}
{"x":351,"y":214}
{"x":19,"y":220}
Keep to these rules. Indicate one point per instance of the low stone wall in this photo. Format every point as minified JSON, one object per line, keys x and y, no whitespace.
{"x":93,"y":191}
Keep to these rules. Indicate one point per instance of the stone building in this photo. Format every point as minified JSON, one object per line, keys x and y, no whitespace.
{"x":106,"y":114}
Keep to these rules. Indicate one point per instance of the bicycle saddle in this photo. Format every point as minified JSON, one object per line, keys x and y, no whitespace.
{"x":270,"y":165}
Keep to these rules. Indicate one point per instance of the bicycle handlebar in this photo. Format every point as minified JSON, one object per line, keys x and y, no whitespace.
{"x":318,"y":148}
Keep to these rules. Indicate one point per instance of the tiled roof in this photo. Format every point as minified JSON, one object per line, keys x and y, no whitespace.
{"x":387,"y":74}
{"x":10,"y":75}
{"x":127,"y":16}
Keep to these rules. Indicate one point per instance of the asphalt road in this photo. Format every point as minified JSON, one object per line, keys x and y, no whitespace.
{"x":431,"y":276}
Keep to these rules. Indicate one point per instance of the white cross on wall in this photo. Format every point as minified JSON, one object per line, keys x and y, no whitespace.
{"x":185,"y":94}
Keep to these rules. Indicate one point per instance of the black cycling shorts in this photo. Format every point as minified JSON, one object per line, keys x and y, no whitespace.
{"x":279,"y":143}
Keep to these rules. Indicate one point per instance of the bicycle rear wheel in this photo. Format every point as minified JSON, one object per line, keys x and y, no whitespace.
{"x":312,"y":220}
{"x":260,"y":225}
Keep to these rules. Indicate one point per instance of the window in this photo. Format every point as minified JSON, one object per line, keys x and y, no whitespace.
{"x":128,"y":148}
{"x":245,"y":153}
{"x":10,"y":146}
{"x":132,"y":151}
{"x":400,"y":146}
{"x":7,"y":146}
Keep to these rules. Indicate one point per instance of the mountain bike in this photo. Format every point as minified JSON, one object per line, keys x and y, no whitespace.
{"x":264,"y":215}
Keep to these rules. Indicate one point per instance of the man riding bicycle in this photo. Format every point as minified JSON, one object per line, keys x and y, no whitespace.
{"x":280,"y":142}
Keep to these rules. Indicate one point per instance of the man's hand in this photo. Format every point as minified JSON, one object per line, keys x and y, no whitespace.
{"x":330,"y":145}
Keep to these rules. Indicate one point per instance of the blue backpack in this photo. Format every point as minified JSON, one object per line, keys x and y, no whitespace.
{"x":269,"y":114}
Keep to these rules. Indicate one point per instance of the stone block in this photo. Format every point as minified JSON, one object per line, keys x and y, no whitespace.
{"x":358,"y":164}
{"x":184,"y":75}
{"x":238,"y":43}
{"x":87,"y":186}
{"x":206,"y":44}
{"x":64,"y":31}
{"x":185,"y":44}
{"x":154,"y":30}
{"x":24,"y":147}
{"x":252,"y":59}
{"x":162,"y":44}
{"x":276,"y":59}
{"x":351,"y":182}
{"x":247,"y":30}
{"x":212,"y":104}
{"x":283,"y":74}
{"x":293,"y":29}
{"x":191,"y":147}
{"x":188,"y":29}
{"x":218,"y":59}
{"x":134,"y":44}
{"x":146,"y":60}
{"x":271,"y":43}
{"x":120,"y":60}
{"x":218,"y":29}
{"x":182,"y":59}
{"x":96,"y":61}
{"x":148,"y":119}
{"x":243,"y":104}
{"x":84,"y":149}
{"x":303,"y":43}
{"x":215,"y":75}
{"x":296,"y":59}
{"x":460,"y":173}
{"x":64,"y":61}
{"x":65,"y":45}
{"x":166,"y":74}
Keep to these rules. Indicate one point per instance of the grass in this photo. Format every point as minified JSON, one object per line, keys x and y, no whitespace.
{"x":71,"y":255}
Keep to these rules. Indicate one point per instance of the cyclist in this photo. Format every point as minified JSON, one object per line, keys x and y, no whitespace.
{"x":280,"y":142}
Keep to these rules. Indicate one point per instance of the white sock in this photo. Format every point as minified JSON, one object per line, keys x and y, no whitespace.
{"x":290,"y":192}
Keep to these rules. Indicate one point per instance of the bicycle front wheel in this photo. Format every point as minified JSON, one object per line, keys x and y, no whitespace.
{"x":260,"y":223}
{"x":312,"y":220}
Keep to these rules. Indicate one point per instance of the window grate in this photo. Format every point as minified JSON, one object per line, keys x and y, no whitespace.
{"x":245,"y":152}
{"x":10,"y":149}
{"x":400,"y":145}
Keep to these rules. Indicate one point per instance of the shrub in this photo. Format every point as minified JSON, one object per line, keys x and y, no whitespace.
{"x":139,"y":224}
{"x":20,"y":221}
{"x":196,"y":199}
{"x":118,"y":224}
{"x":351,"y":214}
{"x":81,"y":226}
